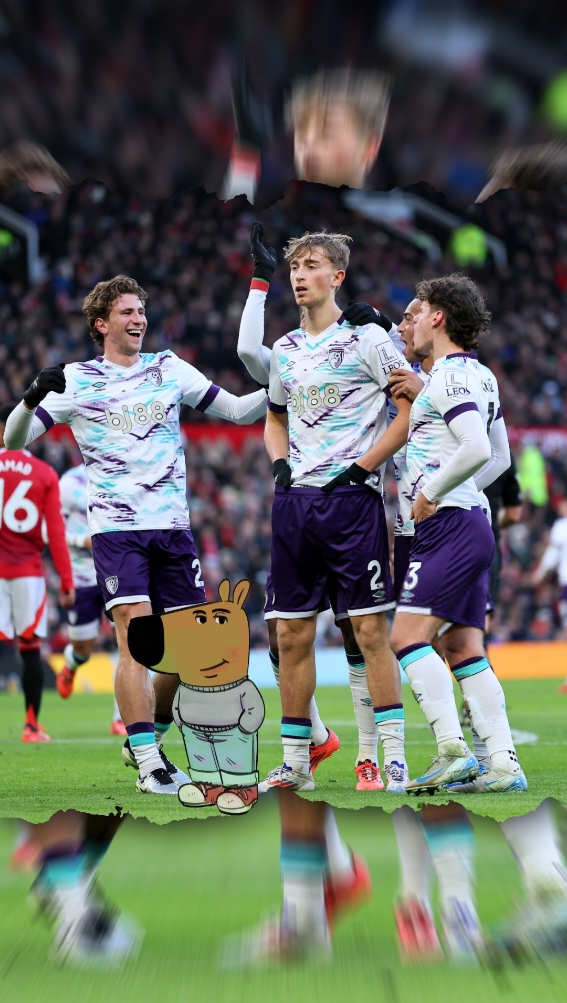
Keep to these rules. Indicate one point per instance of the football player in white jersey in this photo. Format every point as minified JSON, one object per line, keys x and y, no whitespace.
{"x":85,"y":616}
{"x":256,"y":357}
{"x":123,"y":407}
{"x":554,"y":558}
{"x":327,"y":411}
{"x":447,"y":579}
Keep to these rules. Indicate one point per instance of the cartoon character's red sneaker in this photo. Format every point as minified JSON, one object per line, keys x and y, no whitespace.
{"x":237,"y":800}
{"x":199,"y":795}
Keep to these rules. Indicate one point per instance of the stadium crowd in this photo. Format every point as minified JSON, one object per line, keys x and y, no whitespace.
{"x":138,"y":94}
{"x":192,"y":255}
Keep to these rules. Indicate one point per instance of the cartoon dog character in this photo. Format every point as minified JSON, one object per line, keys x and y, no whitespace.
{"x":217,"y":708}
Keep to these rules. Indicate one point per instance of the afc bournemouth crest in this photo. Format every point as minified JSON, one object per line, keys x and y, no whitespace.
{"x":336,"y":356}
{"x":111,"y":584}
{"x":153,"y":374}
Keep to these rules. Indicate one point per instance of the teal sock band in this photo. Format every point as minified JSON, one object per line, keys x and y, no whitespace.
{"x":470,"y":667}
{"x":301,"y":857}
{"x":407,"y":657}
{"x":393,"y":714}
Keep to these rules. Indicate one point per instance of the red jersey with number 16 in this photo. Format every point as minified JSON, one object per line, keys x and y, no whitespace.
{"x":29,"y":494}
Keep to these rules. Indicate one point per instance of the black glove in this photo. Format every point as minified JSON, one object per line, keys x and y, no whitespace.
{"x":360,"y":314}
{"x":265,"y":259}
{"x":253,"y":116}
{"x":353,"y":473}
{"x":49,"y":380}
{"x":282,"y":473}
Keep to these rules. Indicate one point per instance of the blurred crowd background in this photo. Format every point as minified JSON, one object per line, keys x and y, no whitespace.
{"x":191,"y":253}
{"x":139,"y":94}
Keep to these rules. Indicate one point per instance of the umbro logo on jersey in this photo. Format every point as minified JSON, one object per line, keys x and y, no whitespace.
{"x":336,"y":356}
{"x":111,"y":584}
{"x":99,"y":386}
{"x":153,"y":374}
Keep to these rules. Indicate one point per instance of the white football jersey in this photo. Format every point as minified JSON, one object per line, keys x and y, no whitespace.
{"x":455,"y":386}
{"x":73,"y":488}
{"x":334,"y":387}
{"x":126,"y":423}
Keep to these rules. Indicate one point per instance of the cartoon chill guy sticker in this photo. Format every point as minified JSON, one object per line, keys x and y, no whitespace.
{"x":217,"y":708}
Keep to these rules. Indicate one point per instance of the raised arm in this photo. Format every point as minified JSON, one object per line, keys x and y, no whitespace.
{"x":28,"y":419}
{"x":251,"y":351}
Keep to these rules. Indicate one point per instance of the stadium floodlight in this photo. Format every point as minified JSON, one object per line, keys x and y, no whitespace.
{"x":19,"y":248}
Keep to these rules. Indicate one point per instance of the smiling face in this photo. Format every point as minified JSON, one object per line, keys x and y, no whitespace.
{"x":125,"y":327}
{"x":215,"y":644}
{"x":314,"y":279}
{"x":205,"y":645}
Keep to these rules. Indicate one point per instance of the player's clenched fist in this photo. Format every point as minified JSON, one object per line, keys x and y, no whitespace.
{"x":265,"y":259}
{"x":49,"y":380}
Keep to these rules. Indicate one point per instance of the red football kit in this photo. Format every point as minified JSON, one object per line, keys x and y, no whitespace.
{"x":29,"y":497}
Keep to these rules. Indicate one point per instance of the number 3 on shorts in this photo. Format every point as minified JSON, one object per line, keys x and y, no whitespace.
{"x":199,"y":583}
{"x":411,"y":577}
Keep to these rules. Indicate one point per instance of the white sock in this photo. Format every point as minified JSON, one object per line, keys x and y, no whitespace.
{"x":413,"y":854}
{"x":339,"y":857}
{"x":304,"y":907}
{"x":303,"y":869}
{"x":319,"y":733}
{"x":452,"y":850}
{"x":296,"y":739}
{"x":432,"y":687}
{"x":480,"y":749}
{"x":534,"y":841}
{"x":363,"y":711}
{"x":391,"y":729}
{"x":487,"y":708}
{"x":72,"y":660}
{"x":296,"y":754}
{"x":147,"y":758}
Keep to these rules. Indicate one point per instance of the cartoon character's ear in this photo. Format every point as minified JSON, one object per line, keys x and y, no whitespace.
{"x":146,"y":639}
{"x":224,"y":590}
{"x":241,"y":590}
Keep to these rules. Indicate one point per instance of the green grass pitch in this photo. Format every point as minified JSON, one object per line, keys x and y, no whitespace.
{"x":82,"y":768}
{"x":191,"y":885}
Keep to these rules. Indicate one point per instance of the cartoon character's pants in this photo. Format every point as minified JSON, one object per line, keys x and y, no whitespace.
{"x":228,"y":758}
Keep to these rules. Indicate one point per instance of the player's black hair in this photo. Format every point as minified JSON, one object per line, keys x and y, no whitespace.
{"x":5,"y":413}
{"x":464,"y":307}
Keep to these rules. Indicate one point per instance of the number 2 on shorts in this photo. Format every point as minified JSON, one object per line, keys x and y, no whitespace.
{"x":199,"y":583}
{"x":374,"y":581}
